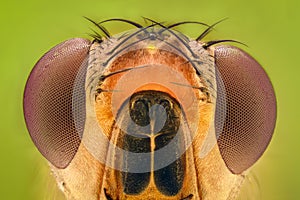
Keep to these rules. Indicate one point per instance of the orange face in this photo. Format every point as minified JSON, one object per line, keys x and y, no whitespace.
{"x":149,"y":114}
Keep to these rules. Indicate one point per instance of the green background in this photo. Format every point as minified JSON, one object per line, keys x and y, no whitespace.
{"x":30,"y":28}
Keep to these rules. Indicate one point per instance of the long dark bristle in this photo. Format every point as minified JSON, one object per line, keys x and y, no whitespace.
{"x":96,"y":36}
{"x":100,"y":27}
{"x":123,"y":20}
{"x":154,"y":22}
{"x":170,"y":31}
{"x":128,"y":37}
{"x":206,"y":45}
{"x":213,"y":42}
{"x":208,"y":30}
{"x":103,"y":77}
{"x":186,"y":22}
{"x":120,"y":50}
{"x":182,"y":23}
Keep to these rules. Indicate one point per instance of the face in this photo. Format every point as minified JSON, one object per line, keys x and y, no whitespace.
{"x":149,"y":114}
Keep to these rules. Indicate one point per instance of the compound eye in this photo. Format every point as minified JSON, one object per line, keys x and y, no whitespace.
{"x":250,"y":108}
{"x":49,"y":101}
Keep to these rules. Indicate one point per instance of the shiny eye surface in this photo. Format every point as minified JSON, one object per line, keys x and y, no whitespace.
{"x":48,"y":99}
{"x":250,"y":108}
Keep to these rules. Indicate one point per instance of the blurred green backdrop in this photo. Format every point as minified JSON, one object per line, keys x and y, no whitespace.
{"x":30,"y":28}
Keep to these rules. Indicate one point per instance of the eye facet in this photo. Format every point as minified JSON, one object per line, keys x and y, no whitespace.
{"x":48,"y":101}
{"x":250,"y":108}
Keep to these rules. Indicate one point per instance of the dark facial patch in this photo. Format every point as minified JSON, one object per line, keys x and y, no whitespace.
{"x":148,"y":110}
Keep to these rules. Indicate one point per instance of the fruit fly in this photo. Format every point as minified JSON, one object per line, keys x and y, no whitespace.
{"x":149,"y":113}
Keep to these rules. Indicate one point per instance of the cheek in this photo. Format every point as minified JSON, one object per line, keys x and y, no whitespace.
{"x":215,"y":180}
{"x":83,"y":178}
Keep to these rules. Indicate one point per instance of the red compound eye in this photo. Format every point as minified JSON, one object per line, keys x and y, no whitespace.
{"x":250,"y":108}
{"x":48,"y":100}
